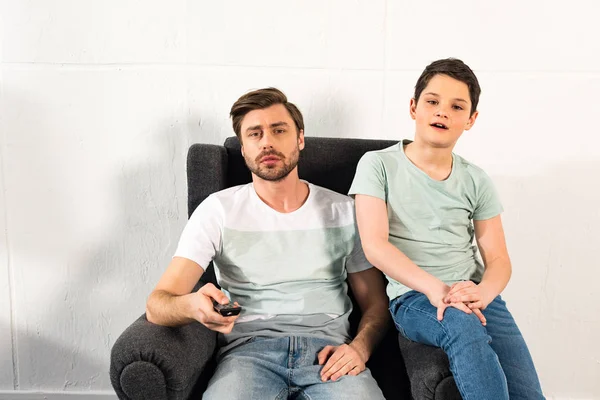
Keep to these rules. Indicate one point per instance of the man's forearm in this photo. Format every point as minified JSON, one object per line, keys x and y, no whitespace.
{"x":166,"y":309}
{"x":371,"y":329}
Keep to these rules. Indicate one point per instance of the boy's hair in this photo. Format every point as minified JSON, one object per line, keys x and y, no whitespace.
{"x":454,"y":68}
{"x":261,"y":99}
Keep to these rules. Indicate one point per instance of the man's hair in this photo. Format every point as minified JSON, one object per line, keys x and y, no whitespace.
{"x":261,"y":99}
{"x":454,"y":68}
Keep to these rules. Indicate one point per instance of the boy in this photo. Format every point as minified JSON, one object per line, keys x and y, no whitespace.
{"x":418,"y":208}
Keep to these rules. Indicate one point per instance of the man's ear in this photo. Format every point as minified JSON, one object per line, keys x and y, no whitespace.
{"x":242,"y":149}
{"x":301,"y":139}
{"x":471,"y":121}
{"x":413,"y":108}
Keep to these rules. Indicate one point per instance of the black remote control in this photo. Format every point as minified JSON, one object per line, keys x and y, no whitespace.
{"x":227,"y":310}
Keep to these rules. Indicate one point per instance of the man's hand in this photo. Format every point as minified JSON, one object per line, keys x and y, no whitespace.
{"x":341,"y":360}
{"x":203,"y":312}
{"x":468,"y":292}
{"x":438,"y":300}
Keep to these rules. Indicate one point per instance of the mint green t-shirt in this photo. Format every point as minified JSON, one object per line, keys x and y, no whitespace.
{"x":429,"y":221}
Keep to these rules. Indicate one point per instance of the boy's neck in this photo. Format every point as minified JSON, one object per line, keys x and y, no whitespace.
{"x":284,"y":196}
{"x":435,"y":162}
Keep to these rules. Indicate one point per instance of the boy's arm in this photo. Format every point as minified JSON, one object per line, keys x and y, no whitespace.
{"x":373,"y":226}
{"x":369,"y":291}
{"x":492,"y":246}
{"x":172,"y":304}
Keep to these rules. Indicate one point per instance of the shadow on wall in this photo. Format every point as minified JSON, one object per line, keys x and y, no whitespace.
{"x":552,"y":222}
{"x":78,"y":283}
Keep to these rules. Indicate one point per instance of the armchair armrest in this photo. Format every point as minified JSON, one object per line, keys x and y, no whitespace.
{"x":150,"y":361}
{"x":428,"y":371}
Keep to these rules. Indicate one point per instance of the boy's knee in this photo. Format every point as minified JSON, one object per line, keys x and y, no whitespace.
{"x":457,"y":324}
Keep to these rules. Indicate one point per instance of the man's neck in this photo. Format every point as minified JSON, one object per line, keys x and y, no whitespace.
{"x":283,"y":196}
{"x":435,"y":162}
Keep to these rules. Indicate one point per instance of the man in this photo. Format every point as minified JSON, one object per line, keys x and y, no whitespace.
{"x":282,"y":249}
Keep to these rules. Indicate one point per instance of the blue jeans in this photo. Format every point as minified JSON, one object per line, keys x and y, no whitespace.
{"x":283,"y":368}
{"x":487,"y":362}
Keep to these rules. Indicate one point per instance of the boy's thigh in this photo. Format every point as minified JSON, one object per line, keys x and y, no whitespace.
{"x":416,"y":319}
{"x":362,"y":386}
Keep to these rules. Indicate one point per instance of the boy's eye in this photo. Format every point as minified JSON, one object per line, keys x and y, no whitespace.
{"x":432,"y":102}
{"x":456,"y":107}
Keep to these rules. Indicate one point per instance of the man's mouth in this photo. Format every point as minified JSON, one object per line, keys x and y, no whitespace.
{"x":439,"y":125}
{"x":269,"y":159}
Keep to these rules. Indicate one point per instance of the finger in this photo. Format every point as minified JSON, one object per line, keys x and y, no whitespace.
{"x":480,"y":315}
{"x":333,"y":364}
{"x":461,"y":307}
{"x":356,"y":370}
{"x":343,"y":370}
{"x":325,"y":353}
{"x":462,"y":291}
{"x":460,"y":285}
{"x":476,"y":304}
{"x":440,"y":311}
{"x":211,"y":290}
{"x":340,"y":368}
{"x":466,"y":298}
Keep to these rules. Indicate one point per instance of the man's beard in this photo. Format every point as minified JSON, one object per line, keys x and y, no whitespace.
{"x":273,"y":173}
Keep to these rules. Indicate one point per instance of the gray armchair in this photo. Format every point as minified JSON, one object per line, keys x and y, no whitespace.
{"x":155,"y":362}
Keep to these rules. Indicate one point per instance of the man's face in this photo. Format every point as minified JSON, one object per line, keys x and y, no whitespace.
{"x":271,"y":143}
{"x":442,"y":112}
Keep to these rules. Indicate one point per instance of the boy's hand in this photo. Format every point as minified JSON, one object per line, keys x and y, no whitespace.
{"x":438,"y":300}
{"x":468,"y":292}
{"x":341,"y":360}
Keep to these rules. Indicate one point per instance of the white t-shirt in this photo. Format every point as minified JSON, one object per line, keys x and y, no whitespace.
{"x":287,"y":270}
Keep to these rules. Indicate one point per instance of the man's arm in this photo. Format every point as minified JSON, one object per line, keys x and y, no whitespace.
{"x":172,"y":304}
{"x":492,"y":246}
{"x":369,"y":291}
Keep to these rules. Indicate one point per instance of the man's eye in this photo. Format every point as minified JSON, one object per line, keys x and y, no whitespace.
{"x":279,"y":130}
{"x":253,"y":134}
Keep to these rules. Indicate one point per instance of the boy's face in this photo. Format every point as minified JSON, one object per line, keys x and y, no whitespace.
{"x":442,"y":112}
{"x":271,"y":143}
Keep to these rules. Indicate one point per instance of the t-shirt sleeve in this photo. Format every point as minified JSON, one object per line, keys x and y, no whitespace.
{"x":357,"y":261}
{"x":488,"y":202}
{"x":201,"y":237}
{"x":370,"y":178}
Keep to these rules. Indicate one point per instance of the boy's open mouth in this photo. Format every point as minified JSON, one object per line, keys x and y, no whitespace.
{"x":439,"y":125}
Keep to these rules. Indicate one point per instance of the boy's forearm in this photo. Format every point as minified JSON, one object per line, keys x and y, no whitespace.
{"x":166,"y":309}
{"x":395,"y":264}
{"x":495,"y":277}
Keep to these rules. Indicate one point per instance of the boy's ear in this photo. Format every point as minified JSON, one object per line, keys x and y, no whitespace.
{"x":471,"y":121}
{"x":413,"y":108}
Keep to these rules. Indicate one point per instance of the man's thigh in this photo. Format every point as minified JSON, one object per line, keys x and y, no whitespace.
{"x":252,"y":371}
{"x":362,"y":386}
{"x":307,"y":384}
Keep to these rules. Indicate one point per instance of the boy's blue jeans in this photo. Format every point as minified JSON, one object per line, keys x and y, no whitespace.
{"x":273,"y":368}
{"x":487,"y":362}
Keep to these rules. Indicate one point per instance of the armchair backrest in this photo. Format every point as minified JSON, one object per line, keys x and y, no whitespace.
{"x":327,"y":162}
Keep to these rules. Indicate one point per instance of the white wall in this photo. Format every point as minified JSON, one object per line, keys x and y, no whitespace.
{"x":101,"y":99}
